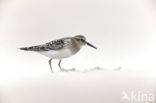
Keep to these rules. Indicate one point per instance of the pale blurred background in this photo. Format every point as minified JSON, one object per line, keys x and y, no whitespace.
{"x":123,"y":30}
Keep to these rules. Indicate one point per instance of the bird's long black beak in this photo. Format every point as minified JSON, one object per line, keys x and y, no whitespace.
{"x":91,"y":45}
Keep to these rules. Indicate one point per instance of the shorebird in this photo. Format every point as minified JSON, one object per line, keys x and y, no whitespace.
{"x":60,"y":48}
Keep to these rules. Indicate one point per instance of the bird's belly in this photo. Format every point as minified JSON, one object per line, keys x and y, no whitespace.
{"x":57,"y":54}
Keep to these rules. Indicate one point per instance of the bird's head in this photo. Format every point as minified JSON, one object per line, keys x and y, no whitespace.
{"x":81,"y":40}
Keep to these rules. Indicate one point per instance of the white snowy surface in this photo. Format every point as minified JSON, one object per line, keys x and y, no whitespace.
{"x":123,"y":31}
{"x":92,"y":86}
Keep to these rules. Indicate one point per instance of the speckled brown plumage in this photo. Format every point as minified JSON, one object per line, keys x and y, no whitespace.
{"x":60,"y":48}
{"x":53,"y":45}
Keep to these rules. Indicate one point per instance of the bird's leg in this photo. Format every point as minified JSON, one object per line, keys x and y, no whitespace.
{"x":59,"y":64}
{"x":50,"y":65}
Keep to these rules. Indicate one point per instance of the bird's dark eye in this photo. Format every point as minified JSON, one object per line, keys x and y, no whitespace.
{"x":82,"y":40}
{"x":78,"y":39}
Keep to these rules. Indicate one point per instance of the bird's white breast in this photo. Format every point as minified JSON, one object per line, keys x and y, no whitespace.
{"x":57,"y":54}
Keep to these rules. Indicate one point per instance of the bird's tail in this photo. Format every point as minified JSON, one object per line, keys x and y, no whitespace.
{"x":26,"y":48}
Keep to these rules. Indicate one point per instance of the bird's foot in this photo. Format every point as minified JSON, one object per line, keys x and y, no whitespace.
{"x":67,"y":70}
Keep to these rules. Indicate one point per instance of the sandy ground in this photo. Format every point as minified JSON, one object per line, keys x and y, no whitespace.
{"x":92,"y":86}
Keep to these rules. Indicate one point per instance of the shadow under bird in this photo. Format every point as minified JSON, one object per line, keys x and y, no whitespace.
{"x":60,"y":48}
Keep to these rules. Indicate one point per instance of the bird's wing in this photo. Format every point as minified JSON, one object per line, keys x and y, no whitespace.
{"x":52,"y":45}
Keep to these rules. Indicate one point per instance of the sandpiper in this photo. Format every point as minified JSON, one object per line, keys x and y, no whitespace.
{"x":60,"y":48}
